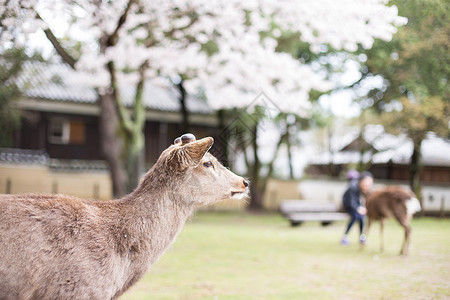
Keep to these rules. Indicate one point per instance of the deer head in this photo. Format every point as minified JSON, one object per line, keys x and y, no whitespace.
{"x":197,"y":175}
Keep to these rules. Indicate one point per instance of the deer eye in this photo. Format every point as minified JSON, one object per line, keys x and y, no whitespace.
{"x":207,"y":164}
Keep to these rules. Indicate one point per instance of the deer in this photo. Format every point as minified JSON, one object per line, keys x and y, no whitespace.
{"x":394,"y":201}
{"x":63,"y":247}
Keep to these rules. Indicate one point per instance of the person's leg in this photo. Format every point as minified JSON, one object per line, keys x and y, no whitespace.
{"x":361,"y":224}
{"x":362,"y":236}
{"x":350,"y":224}
{"x":344,"y":240}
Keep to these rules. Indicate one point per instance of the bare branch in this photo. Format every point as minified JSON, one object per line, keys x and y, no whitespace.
{"x":112,"y":38}
{"x":67,"y":58}
{"x":192,"y":20}
{"x":124,"y":116}
{"x":139,"y":110}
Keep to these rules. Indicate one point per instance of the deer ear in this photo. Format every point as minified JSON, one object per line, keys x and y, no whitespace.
{"x":192,"y":153}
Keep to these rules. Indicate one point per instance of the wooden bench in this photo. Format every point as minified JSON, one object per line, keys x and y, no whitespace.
{"x":299,"y":211}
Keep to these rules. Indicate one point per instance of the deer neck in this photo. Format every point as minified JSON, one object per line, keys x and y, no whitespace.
{"x":154,"y":217}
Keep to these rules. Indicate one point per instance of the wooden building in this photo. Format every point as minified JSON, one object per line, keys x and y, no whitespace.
{"x":60,"y":115}
{"x":387,"y":156}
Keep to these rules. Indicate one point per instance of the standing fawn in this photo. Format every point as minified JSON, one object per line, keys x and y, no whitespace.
{"x":61,"y":247}
{"x":394,"y":202}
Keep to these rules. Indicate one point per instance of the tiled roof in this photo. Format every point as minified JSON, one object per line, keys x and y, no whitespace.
{"x":22,"y":156}
{"x":57,"y":81}
{"x":40,"y":157}
{"x":50,"y":81}
{"x":77,"y":165}
{"x":397,"y":149}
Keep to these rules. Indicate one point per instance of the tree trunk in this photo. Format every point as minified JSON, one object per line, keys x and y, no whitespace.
{"x":184,"y":112}
{"x":135,"y":137}
{"x":135,"y":162}
{"x":256,"y":194}
{"x":223,"y":141}
{"x":283,"y":137}
{"x":291,"y":164}
{"x":111,"y":144}
{"x":332,"y":170}
{"x":256,"y":190}
{"x":131,"y":127}
{"x":415,"y":169}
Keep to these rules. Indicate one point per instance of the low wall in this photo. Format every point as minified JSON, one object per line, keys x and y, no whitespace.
{"x":19,"y":179}
{"x":225,"y":205}
{"x":435,"y":198}
{"x":278,"y":190}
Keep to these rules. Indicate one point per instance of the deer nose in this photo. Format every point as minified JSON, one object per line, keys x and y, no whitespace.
{"x":245,"y":183}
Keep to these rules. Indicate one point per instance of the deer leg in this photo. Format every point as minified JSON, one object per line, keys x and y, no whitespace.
{"x":403,"y":218}
{"x":366,"y":231}
{"x":369,"y":223}
{"x":382,"y":235}
{"x":405,"y":246}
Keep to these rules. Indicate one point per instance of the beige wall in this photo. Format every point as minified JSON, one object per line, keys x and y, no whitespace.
{"x":39,"y":179}
{"x":230,"y":204}
{"x":279,"y":190}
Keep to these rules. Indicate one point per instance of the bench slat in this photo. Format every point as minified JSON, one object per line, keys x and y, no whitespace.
{"x":293,"y":206}
{"x":323,"y":216}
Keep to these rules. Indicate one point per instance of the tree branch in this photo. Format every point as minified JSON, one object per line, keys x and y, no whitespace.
{"x":193,"y":19}
{"x":67,"y":58}
{"x":182,"y":99}
{"x":124,"y":116}
{"x":139,"y":110}
{"x":271,"y":164}
{"x":112,"y":38}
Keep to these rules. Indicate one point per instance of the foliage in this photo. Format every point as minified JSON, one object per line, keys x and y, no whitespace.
{"x":417,"y":118}
{"x":416,"y":63}
{"x":10,"y":67}
{"x":414,"y":96}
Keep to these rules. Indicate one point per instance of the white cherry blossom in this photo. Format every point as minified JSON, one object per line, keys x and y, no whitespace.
{"x":171,"y":36}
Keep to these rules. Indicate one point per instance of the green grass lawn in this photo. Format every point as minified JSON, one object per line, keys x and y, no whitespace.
{"x":243,"y":256}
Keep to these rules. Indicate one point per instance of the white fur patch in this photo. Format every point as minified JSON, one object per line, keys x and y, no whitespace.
{"x":238,"y":196}
{"x":412,"y":206}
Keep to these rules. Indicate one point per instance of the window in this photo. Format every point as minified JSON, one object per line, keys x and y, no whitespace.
{"x":76,"y":132}
{"x":63,"y":131}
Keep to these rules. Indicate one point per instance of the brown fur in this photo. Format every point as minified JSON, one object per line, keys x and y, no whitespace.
{"x":386,"y":203}
{"x":61,"y":247}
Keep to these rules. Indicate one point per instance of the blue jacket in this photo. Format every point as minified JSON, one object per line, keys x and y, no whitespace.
{"x":350,"y":200}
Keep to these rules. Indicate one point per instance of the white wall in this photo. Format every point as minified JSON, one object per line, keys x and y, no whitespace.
{"x":332,"y":191}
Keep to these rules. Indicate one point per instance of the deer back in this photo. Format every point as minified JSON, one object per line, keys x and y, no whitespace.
{"x":388,"y":202}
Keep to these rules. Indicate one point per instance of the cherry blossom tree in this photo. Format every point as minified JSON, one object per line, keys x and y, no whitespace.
{"x":228,"y":49}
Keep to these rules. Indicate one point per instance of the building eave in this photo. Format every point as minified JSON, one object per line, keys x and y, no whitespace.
{"x":92,"y":109}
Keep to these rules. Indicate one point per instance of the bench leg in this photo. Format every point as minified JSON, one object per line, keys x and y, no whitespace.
{"x":296,"y":223}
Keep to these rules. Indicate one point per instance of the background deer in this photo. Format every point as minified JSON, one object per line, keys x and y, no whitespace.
{"x":394,"y":202}
{"x":61,"y":247}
